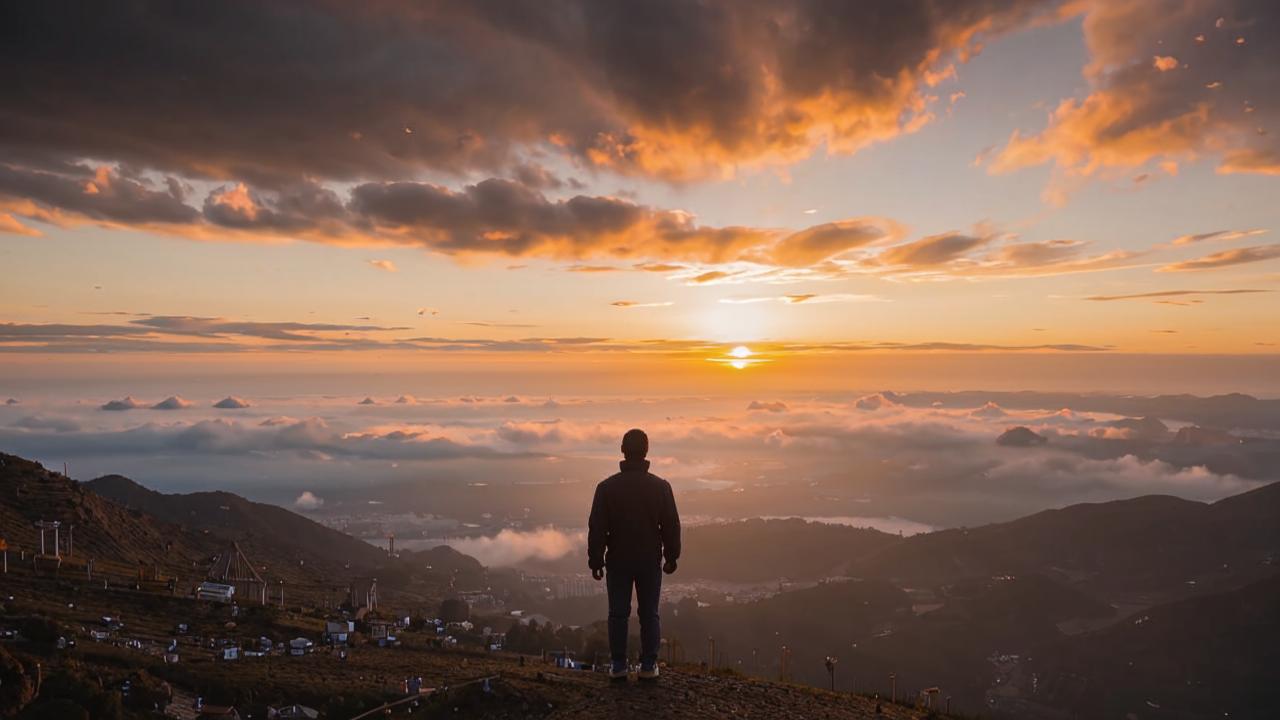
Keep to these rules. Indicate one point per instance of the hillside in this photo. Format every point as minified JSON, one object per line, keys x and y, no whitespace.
{"x":1206,"y":656}
{"x":369,"y":676}
{"x":757,"y":551}
{"x":872,"y":626}
{"x":261,"y":529}
{"x":133,"y":534}
{"x":112,"y":535}
{"x":1141,"y":545}
{"x":291,"y":544}
{"x":1234,"y":410}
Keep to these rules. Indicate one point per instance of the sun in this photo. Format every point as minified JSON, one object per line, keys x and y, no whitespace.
{"x":739,"y":357}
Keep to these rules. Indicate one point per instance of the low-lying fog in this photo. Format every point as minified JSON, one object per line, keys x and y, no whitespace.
{"x":510,"y":477}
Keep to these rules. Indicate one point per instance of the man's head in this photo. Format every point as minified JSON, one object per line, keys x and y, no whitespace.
{"x":635,"y":444}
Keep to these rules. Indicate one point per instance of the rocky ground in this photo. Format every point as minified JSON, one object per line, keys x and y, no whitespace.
{"x":536,"y":691}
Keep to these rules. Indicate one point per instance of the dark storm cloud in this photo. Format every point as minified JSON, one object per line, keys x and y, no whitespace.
{"x":103,"y":196}
{"x":510,"y":218}
{"x":273,"y":92}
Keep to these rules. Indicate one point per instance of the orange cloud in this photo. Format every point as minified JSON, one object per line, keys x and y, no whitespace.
{"x":1226,"y":258}
{"x":678,"y":92}
{"x":1139,"y":112}
{"x":933,"y":250}
{"x":1251,"y":160}
{"x":1217,"y":235}
{"x":10,"y":224}
{"x":633,"y":304}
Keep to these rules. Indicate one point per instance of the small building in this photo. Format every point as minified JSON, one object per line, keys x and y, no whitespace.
{"x":230,"y":652}
{"x":928,"y":699}
{"x":300,"y":646}
{"x":292,"y":712}
{"x":382,"y":632}
{"x":564,"y":659}
{"x":215,"y":592}
{"x":338,"y":631}
{"x":495,"y":641}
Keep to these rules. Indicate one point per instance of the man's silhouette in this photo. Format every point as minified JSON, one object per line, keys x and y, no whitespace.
{"x":633,"y":526}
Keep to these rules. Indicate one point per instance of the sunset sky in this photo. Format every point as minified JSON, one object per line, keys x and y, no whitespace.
{"x":1048,"y":177}
{"x":276,"y":247}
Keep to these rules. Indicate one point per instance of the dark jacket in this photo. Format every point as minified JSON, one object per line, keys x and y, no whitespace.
{"x":633,"y":519}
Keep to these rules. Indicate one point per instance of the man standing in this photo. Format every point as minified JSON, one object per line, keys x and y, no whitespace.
{"x":633,"y":527}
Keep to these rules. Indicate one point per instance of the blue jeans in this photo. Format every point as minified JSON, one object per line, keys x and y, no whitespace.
{"x":646,"y":578}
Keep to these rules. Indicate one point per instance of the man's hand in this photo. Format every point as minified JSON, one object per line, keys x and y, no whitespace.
{"x":598,"y":573}
{"x":669,"y":567}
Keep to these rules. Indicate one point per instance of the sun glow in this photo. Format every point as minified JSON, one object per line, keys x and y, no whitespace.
{"x":739,"y":357}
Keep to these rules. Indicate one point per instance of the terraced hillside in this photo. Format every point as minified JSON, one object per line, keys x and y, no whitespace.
{"x":259,"y":528}
{"x":116,"y":539}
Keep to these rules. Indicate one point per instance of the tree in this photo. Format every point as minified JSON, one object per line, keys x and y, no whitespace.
{"x":16,"y":689}
{"x":454,"y":610}
{"x":55,"y":709}
{"x":148,"y":692}
{"x":41,"y":630}
{"x":515,"y":638}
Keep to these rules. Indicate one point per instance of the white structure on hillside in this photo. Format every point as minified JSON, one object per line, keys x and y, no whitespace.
{"x":216,"y":592}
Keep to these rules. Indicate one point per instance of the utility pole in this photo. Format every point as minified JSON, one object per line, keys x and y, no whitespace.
{"x":831,"y":670}
{"x":893,"y":683}
{"x":281,"y":594}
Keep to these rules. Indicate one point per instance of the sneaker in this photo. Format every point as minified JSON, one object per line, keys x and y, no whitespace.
{"x":648,"y":672}
{"x":618,"y":671}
